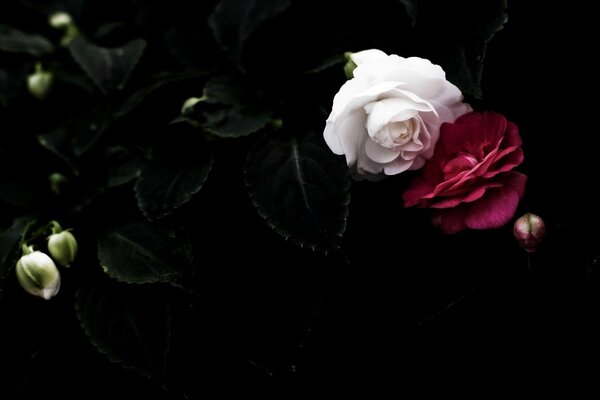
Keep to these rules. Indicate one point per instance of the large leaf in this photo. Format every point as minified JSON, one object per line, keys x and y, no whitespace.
{"x":300,"y":188}
{"x":15,"y":41}
{"x":123,"y":165}
{"x":128,"y":324}
{"x":464,"y":59}
{"x":233,"y":21}
{"x":166,"y":184}
{"x":109,"y":68}
{"x":139,"y":252}
{"x":231,"y":108}
{"x":10,"y":240}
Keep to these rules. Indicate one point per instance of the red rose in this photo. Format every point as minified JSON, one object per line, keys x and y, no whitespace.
{"x":469,"y":181}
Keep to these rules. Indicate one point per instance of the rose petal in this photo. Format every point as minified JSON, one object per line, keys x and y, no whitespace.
{"x":370,"y":55}
{"x":493,"y":210}
{"x":451,"y":220}
{"x":397,"y":166}
{"x":380,"y":154}
{"x":330,"y":138}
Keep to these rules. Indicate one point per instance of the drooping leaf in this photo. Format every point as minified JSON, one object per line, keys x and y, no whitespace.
{"x":300,"y":188}
{"x":109,"y":68}
{"x":10,"y":247}
{"x":13,"y":40}
{"x":231,"y":108}
{"x":140,"y":252}
{"x":128,"y":324}
{"x":233,"y":21}
{"x":166,"y":184}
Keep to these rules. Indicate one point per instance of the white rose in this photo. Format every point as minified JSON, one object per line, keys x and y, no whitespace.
{"x":387,"y":118}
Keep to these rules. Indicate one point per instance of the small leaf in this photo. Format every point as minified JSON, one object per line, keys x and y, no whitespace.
{"x":15,"y":41}
{"x":167,"y":184}
{"x":231,"y":108}
{"x":300,"y":188}
{"x":139,"y":252}
{"x":128,"y":324}
{"x":109,"y":68}
{"x":233,"y":21}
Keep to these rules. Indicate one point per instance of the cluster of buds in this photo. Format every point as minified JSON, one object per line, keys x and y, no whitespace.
{"x":37,"y":272}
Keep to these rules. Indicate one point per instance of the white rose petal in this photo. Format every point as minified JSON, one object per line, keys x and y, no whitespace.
{"x":387,"y":119}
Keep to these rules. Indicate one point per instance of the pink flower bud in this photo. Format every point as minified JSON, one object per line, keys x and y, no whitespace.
{"x":529,"y":231}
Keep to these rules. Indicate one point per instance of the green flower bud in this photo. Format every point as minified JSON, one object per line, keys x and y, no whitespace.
{"x":349,"y":66}
{"x":40,"y":82}
{"x":37,"y":274}
{"x":62,"y":246}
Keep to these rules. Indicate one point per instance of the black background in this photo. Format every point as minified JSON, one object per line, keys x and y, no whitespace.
{"x":378,"y":320}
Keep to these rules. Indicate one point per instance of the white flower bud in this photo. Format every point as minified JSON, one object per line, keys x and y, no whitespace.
{"x":38,"y":275}
{"x":188,"y":105}
{"x":62,"y":247}
{"x":60,"y":20}
{"x":40,"y":82}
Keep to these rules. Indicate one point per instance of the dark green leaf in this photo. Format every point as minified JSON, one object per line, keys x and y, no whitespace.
{"x":128,"y":324}
{"x":233,"y":21}
{"x":300,"y":188}
{"x":231,"y":108}
{"x":10,"y":240}
{"x":140,"y":252}
{"x":166,"y":184}
{"x":74,"y":139}
{"x":131,"y":102}
{"x":464,"y":62}
{"x":15,"y":41}
{"x":123,"y":165}
{"x":109,"y":68}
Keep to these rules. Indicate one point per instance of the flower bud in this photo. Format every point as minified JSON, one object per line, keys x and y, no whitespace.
{"x":40,"y":82}
{"x":529,"y":231}
{"x":349,"y":66}
{"x":60,"y":20}
{"x":62,"y":246}
{"x":38,"y":275}
{"x":188,"y":105}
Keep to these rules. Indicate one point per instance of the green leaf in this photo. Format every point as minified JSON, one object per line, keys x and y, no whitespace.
{"x":128,"y":324}
{"x":123,"y":165}
{"x":13,"y":40}
{"x":76,"y":137}
{"x":233,"y":21}
{"x":464,"y":62}
{"x":231,"y":108}
{"x":10,"y":249}
{"x":166,"y":184}
{"x":109,"y":68}
{"x":140,"y":252}
{"x":300,"y":188}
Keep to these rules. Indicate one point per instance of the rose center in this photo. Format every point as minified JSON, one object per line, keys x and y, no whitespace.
{"x":394,"y":134}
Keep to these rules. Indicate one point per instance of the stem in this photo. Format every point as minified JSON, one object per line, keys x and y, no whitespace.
{"x":26,"y":249}
{"x":55,"y":226}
